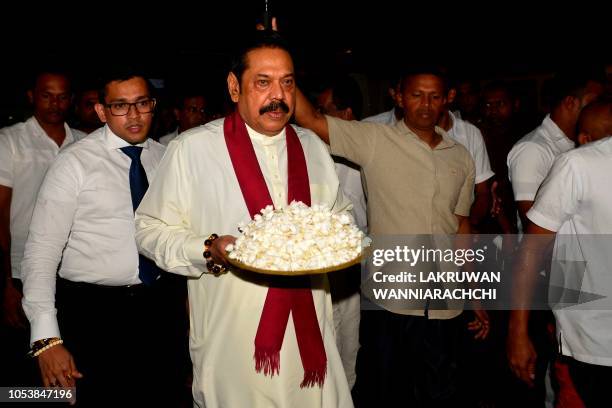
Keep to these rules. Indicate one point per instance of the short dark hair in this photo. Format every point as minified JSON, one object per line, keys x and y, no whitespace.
{"x":347,"y":94}
{"x":570,"y":83}
{"x":179,"y":96}
{"x":259,"y":39}
{"x":414,"y":70}
{"x":49,"y":70}
{"x":121,"y":74}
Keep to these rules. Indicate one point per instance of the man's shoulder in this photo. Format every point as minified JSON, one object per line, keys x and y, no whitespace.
{"x":592,"y":153}
{"x":471,"y":131}
{"x":157,"y":149}
{"x":14,"y":131}
{"x":207,"y":133}
{"x":308,"y":137}
{"x":387,"y":118}
{"x":78,"y":134}
{"x":533,"y":142}
{"x":94,"y":142}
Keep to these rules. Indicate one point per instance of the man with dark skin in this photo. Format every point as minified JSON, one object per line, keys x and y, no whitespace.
{"x":389,"y":156}
{"x":531,"y":157}
{"x":189,"y":113}
{"x":26,"y":151}
{"x":589,"y":375}
{"x":87,"y":118}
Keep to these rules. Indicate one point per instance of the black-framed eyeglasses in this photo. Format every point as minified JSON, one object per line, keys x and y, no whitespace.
{"x":123,"y":108}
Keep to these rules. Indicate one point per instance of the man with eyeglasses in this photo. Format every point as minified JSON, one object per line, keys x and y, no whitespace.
{"x":116,"y":311}
{"x":190,"y":112}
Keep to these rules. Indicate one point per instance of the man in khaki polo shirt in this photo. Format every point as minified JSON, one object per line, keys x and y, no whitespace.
{"x":419,"y":182}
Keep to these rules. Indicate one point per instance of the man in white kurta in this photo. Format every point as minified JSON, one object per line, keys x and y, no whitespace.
{"x":196,"y":193}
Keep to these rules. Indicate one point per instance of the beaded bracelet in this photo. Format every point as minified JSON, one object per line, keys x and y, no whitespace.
{"x":212,"y":267}
{"x":39,"y":348}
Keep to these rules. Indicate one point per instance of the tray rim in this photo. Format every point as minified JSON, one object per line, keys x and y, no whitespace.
{"x":245,"y":267}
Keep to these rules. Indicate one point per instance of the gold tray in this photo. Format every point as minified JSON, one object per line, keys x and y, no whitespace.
{"x":246,"y":267}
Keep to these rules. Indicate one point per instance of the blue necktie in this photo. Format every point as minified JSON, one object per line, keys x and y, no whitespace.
{"x":147,"y":270}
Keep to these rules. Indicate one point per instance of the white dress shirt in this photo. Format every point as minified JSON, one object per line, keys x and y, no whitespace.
{"x":386,"y":118}
{"x":470,"y":137}
{"x":84,"y":219}
{"x":26,"y":152}
{"x":352,"y":188}
{"x":165,"y":140}
{"x":195,"y":194}
{"x":575,"y":197}
{"x":532,"y":157}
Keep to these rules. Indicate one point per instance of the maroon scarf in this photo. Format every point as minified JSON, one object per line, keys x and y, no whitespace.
{"x":279,"y":301}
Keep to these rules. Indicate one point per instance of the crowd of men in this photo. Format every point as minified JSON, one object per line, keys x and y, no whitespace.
{"x":115,"y":276}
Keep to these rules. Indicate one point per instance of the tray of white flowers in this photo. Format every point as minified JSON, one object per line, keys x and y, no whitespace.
{"x":297,"y":240}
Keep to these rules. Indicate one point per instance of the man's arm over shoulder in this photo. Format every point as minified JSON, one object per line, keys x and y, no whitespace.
{"x":308,"y":117}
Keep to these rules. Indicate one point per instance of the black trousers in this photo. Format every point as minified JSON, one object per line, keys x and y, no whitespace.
{"x":16,"y":366}
{"x":406,"y":361}
{"x":592,"y":382}
{"x":130,"y":343}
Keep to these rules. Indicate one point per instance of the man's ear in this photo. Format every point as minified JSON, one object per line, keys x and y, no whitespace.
{"x":100,"y":111}
{"x":177,"y":114}
{"x":347,"y":114}
{"x":452,"y":94}
{"x":233,"y":86}
{"x":571,"y":103}
{"x":30,"y":96}
{"x":583,"y":138}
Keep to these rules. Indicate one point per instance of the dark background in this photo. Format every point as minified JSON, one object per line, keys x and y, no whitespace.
{"x":177,"y":40}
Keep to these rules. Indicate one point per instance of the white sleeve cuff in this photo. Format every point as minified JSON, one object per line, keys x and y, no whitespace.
{"x":483,"y":176}
{"x":543,"y":221}
{"x":44,"y":326}
{"x":194,"y":251}
{"x":525,"y":197}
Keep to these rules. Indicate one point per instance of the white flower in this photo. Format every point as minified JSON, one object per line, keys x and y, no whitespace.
{"x":297,"y":237}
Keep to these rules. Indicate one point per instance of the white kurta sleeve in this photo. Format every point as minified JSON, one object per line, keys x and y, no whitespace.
{"x":49,"y":230}
{"x":163,"y":230}
{"x":559,"y":196}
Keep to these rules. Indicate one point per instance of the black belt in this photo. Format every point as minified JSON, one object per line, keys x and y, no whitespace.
{"x":94,"y":287}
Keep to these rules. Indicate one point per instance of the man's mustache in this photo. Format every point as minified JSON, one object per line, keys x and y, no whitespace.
{"x":273,"y":106}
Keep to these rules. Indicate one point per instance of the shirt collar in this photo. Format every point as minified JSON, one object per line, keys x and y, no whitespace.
{"x":113,"y":141}
{"x":41,"y":132}
{"x":555,"y":134}
{"x":264,"y":139}
{"x":446,"y":141}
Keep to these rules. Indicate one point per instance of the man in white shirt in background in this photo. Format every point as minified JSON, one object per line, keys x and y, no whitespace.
{"x":395,"y":114}
{"x":529,"y":162}
{"x":574,"y":201}
{"x":189,"y":111}
{"x":470,"y":137}
{"x":342,"y":99}
{"x":118,"y":315}
{"x":531,"y":157}
{"x":212,"y":179}
{"x":27,"y":150}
